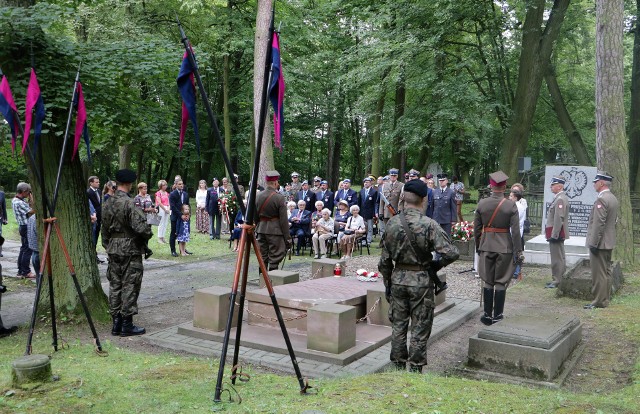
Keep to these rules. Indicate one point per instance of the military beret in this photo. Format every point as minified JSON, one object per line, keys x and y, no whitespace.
{"x":126,"y":176}
{"x":366,"y":179}
{"x":429,"y":176}
{"x":324,"y":182}
{"x":601,"y":175}
{"x":393,"y":171}
{"x":346,"y":180}
{"x":214,"y":179}
{"x":498,"y":179}
{"x":557,"y":180}
{"x":272,"y":175}
{"x":442,"y":176}
{"x":416,"y":187}
{"x":295,"y":174}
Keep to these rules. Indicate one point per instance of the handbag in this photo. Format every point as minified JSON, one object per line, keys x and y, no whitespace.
{"x":348,"y":232}
{"x":153,"y":219}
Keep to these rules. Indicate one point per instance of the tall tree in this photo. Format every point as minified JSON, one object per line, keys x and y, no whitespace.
{"x":537,"y":45}
{"x":263,"y":19}
{"x":634,"y":115}
{"x":611,"y":149}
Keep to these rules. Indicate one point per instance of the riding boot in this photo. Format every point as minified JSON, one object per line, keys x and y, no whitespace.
{"x":129,"y":329}
{"x":499,"y":305}
{"x":488,"y":306}
{"x":116,"y":330}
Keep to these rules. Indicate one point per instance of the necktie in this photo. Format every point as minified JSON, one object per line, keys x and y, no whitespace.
{"x":181,"y":198}
{"x":299,"y":214}
{"x":98,"y":194}
{"x":304,"y":195}
{"x":366,"y":194}
{"x":322,"y":195}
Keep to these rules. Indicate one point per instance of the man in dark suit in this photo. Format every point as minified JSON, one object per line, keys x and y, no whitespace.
{"x":325,"y":195}
{"x":300,"y":224}
{"x":347,"y":194}
{"x":177,"y":198}
{"x":444,"y":204}
{"x":368,"y":202}
{"x":212,"y":207}
{"x":3,"y":215}
{"x":308,"y":196}
{"x":95,"y":198}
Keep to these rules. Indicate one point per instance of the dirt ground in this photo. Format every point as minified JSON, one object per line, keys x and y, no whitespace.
{"x":606,"y":364}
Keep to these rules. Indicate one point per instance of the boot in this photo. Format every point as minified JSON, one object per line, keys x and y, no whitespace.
{"x":488,"y":306}
{"x":129,"y":329}
{"x":415,"y":368}
{"x":116,"y":330}
{"x":499,"y":305}
{"x":399,"y":365}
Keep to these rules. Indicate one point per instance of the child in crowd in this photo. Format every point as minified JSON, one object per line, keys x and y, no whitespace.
{"x":183,"y":229}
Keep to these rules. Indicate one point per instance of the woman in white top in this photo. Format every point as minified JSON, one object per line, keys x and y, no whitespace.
{"x":354,"y":228}
{"x":516,"y":196}
{"x":324,"y":229}
{"x":202,"y":217}
{"x":291,"y":205}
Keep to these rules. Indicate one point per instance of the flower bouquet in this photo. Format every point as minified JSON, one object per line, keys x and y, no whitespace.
{"x":462,"y":231}
{"x":228,"y":203}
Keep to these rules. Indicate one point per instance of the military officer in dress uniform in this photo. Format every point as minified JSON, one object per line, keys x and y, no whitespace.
{"x":601,"y":239}
{"x":272,"y":230}
{"x":368,"y":197}
{"x":325,"y":195}
{"x":444,"y":204}
{"x":557,"y":230}
{"x":496,"y":229}
{"x":296,"y":186}
{"x":347,"y":194}
{"x":404,"y":264}
{"x":308,"y":196}
{"x":316,"y":184}
{"x":125,"y":234}
{"x":391,"y":190}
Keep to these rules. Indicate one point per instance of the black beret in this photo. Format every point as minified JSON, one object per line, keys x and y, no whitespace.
{"x":125,"y":176}
{"x":416,"y":187}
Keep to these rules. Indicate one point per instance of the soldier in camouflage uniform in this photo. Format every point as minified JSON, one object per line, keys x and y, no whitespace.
{"x":125,"y":234}
{"x":409,"y":290}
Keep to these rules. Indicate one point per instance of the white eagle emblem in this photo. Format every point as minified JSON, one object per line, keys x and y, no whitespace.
{"x":576,"y":181}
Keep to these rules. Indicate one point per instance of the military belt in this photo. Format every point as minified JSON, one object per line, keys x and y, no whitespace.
{"x":415,"y":267}
{"x":269,"y":218}
{"x":495,"y":230}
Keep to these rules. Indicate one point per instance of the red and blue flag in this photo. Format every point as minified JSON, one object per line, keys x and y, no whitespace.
{"x":82,"y":128}
{"x":34,"y":100}
{"x":276,"y":90}
{"x":187,"y":89}
{"x":8,"y":110}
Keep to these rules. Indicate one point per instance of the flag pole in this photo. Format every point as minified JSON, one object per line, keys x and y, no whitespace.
{"x":66,"y":137}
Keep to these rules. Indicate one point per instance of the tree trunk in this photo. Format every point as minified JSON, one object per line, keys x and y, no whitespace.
{"x":263,"y":19}
{"x":564,"y":118}
{"x":398,"y":143}
{"x":75,"y":227}
{"x":375,"y":138}
{"x":611,"y":149}
{"x":634,"y":115}
{"x":124,"y":156}
{"x":534,"y":57}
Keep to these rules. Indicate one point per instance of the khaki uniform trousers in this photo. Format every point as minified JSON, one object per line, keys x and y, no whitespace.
{"x":600,"y":277}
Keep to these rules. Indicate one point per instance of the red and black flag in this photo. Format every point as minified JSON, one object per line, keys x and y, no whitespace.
{"x":187,"y":89}
{"x":82,"y":128}
{"x":34,"y":100}
{"x":8,"y":110}
{"x":276,"y":90}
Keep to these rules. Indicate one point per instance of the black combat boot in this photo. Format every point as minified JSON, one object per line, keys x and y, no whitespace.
{"x":488,"y":306}
{"x":399,"y":365}
{"x":499,"y":306}
{"x":117,"y":325}
{"x":129,"y":329}
{"x":415,"y":368}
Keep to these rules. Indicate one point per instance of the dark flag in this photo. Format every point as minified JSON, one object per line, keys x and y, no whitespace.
{"x":187,"y":89}
{"x":34,"y":100}
{"x":9,"y":111}
{"x":276,"y":91}
{"x":81,"y":123}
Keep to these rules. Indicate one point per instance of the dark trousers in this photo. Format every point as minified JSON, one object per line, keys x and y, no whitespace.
{"x":172,"y":235}
{"x":446,"y":227}
{"x":214,"y":229}
{"x":96,"y":232}
{"x":24,"y":257}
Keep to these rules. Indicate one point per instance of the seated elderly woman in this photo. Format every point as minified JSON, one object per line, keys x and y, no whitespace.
{"x":324,"y":229}
{"x":354,"y":228}
{"x":316,"y":215}
{"x":342,"y":215}
{"x":291,"y":205}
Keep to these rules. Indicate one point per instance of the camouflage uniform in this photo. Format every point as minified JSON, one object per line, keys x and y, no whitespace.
{"x":412,"y":292}
{"x":125,"y":233}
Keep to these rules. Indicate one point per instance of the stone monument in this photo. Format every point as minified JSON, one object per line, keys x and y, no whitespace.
{"x":582,"y":195}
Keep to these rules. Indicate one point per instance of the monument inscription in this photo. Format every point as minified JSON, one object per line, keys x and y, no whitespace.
{"x":579,"y":190}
